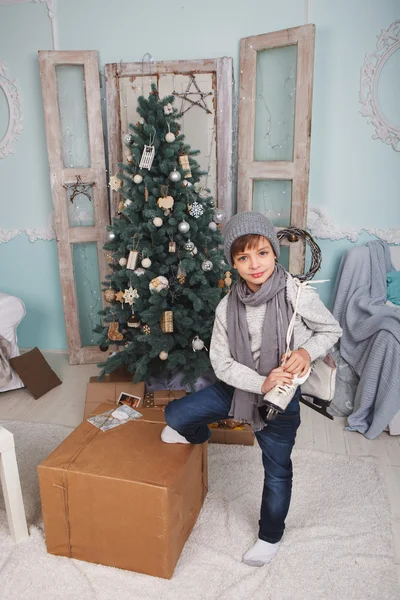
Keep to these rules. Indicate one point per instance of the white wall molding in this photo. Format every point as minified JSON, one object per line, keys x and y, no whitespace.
{"x":16,"y":113}
{"x":388,"y":43}
{"x":34,"y":234}
{"x":307,"y":11}
{"x":321,"y":226}
{"x":51,"y":6}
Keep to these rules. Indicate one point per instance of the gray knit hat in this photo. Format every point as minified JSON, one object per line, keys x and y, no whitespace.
{"x":249,"y":222}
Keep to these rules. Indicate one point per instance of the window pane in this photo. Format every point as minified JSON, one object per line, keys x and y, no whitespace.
{"x":88,"y":290}
{"x":275,"y":103}
{"x":80,"y":207}
{"x":73,"y":117}
{"x":273,"y":198}
{"x":284,"y":257}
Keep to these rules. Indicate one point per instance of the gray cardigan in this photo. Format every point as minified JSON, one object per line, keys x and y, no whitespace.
{"x":316,"y":330}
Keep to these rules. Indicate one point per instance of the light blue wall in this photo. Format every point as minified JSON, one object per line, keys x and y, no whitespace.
{"x":353,"y":177}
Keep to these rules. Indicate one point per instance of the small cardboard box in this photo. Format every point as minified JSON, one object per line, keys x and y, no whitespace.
{"x":161,"y":397}
{"x":122,"y":498}
{"x":242,"y":436}
{"x":109,"y":390}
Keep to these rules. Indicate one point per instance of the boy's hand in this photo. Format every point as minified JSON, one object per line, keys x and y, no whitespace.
{"x":277,"y":377}
{"x":298,"y":362}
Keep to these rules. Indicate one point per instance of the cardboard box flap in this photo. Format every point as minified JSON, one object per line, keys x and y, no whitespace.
{"x":128,"y":452}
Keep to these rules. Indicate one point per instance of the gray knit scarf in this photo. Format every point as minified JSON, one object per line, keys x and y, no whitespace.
{"x":245,"y":405}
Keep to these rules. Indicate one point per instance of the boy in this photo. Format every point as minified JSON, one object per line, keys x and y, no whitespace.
{"x":247,"y":353}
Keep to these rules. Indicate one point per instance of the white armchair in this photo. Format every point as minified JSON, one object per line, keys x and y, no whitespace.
{"x":12,"y":311}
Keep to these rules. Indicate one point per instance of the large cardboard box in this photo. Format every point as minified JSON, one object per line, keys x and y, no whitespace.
{"x":109,"y":390}
{"x":122,"y":497}
{"x":242,"y":436}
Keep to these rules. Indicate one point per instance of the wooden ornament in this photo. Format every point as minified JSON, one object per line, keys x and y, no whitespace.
{"x":132,"y":260}
{"x":146,"y":330}
{"x":172,"y":247}
{"x":167,"y":322}
{"x":114,"y":333}
{"x":228,"y":279}
{"x":147,"y":157}
{"x":184,"y":162}
{"x":133,"y":322}
{"x":167,"y":202}
{"x":119,"y":297}
{"x":121,"y":206}
{"x":146,"y":193}
{"x":221,"y":283}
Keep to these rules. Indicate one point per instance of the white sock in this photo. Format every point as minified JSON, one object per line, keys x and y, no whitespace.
{"x":260,"y":554}
{"x":170,"y":436}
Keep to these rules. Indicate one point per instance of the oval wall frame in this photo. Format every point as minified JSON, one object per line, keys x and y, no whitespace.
{"x":16,"y":115}
{"x":386,"y":130}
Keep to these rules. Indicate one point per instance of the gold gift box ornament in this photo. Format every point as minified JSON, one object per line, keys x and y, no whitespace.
{"x":167,"y":322}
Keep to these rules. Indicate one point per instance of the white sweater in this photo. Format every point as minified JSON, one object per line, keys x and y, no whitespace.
{"x":315,"y":330}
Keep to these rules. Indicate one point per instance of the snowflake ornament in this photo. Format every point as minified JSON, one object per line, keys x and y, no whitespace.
{"x":115,"y":183}
{"x":130,"y":295}
{"x":196,"y":210}
{"x":168,"y":109}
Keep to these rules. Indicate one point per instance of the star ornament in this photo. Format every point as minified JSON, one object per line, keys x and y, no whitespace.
{"x":130,"y":295}
{"x":120,"y":296}
{"x":193,"y":102}
{"x":115,"y":183}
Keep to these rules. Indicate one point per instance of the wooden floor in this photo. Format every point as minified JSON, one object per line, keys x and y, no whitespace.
{"x":64,"y":405}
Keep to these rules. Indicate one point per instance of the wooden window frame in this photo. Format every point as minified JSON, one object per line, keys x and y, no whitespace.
{"x":222,"y":67}
{"x":298,"y":169}
{"x":60,"y":176}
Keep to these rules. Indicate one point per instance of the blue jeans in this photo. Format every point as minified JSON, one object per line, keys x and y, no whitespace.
{"x":190,"y":416}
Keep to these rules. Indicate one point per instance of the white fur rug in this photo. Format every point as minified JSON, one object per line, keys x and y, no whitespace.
{"x":337,"y":545}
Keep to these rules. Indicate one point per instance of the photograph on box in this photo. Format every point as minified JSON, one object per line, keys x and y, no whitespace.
{"x":114,"y":418}
{"x":129,"y":400}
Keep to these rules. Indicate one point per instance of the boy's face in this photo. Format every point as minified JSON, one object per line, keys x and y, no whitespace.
{"x":256,"y":265}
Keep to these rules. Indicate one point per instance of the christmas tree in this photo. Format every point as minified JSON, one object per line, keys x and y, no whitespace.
{"x":168,"y":271}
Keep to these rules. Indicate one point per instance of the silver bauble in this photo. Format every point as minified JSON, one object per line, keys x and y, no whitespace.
{"x":175,"y":176}
{"x":213,"y":226}
{"x":157,"y":221}
{"x":138,"y":178}
{"x":183,"y":227}
{"x":111,"y":236}
{"x":128,"y":139}
{"x":189,"y":246}
{"x":206,"y":265}
{"x":128,"y":202}
{"x":219,"y":215}
{"x":122,"y":261}
{"x":197,"y":344}
{"x":170,"y":137}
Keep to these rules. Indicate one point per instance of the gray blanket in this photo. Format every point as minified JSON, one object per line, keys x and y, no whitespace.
{"x":5,"y":369}
{"x":371,"y":336}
